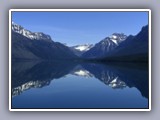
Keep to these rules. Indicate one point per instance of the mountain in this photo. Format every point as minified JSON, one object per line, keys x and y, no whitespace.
{"x":134,"y":48}
{"x":31,"y":35}
{"x":37,"y":45}
{"x":134,"y":45}
{"x":105,"y":46}
{"x":80,"y":49}
{"x":119,"y":47}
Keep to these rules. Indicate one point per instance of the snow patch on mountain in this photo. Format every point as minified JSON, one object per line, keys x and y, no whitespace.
{"x":84,"y":47}
{"x":80,"y":49}
{"x":118,"y":37}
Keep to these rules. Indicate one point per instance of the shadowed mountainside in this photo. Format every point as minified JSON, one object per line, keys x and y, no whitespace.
{"x":25,"y":48}
{"x":132,"y":49}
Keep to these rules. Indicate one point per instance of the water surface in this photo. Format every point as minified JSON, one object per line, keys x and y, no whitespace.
{"x":62,"y":84}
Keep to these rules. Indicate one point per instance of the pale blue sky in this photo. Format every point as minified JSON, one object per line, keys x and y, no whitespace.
{"x":81,"y":27}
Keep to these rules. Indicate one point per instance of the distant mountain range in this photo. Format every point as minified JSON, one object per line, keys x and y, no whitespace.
{"x":80,"y":49}
{"x":117,"y":47}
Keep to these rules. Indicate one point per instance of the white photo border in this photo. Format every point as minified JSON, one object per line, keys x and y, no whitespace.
{"x":80,"y":10}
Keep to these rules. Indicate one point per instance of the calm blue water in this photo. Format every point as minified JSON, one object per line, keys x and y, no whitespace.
{"x":78,"y":85}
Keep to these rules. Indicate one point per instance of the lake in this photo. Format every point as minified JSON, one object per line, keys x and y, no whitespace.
{"x":64,"y":84}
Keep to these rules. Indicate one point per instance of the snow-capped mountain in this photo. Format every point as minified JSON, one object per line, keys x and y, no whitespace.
{"x":117,"y":38}
{"x":80,"y":49}
{"x":31,"y":35}
{"x":37,"y":45}
{"x":84,"y":47}
{"x":106,"y":45}
{"x":133,"y":45}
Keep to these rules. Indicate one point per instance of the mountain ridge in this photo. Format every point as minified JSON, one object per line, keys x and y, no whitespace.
{"x":106,"y":45}
{"x":31,"y":35}
{"x":117,"y":47}
{"x":133,"y":49}
{"x":43,"y":48}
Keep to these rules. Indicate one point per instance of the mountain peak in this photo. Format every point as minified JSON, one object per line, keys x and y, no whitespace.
{"x":80,"y":49}
{"x":118,"y":36}
{"x":31,"y":35}
{"x":106,"y":45}
{"x":84,"y":47}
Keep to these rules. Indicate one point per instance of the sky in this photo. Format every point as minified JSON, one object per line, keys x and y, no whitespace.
{"x":76,"y":28}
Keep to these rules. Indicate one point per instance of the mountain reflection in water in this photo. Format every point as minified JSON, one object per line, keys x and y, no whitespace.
{"x":27,"y":75}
